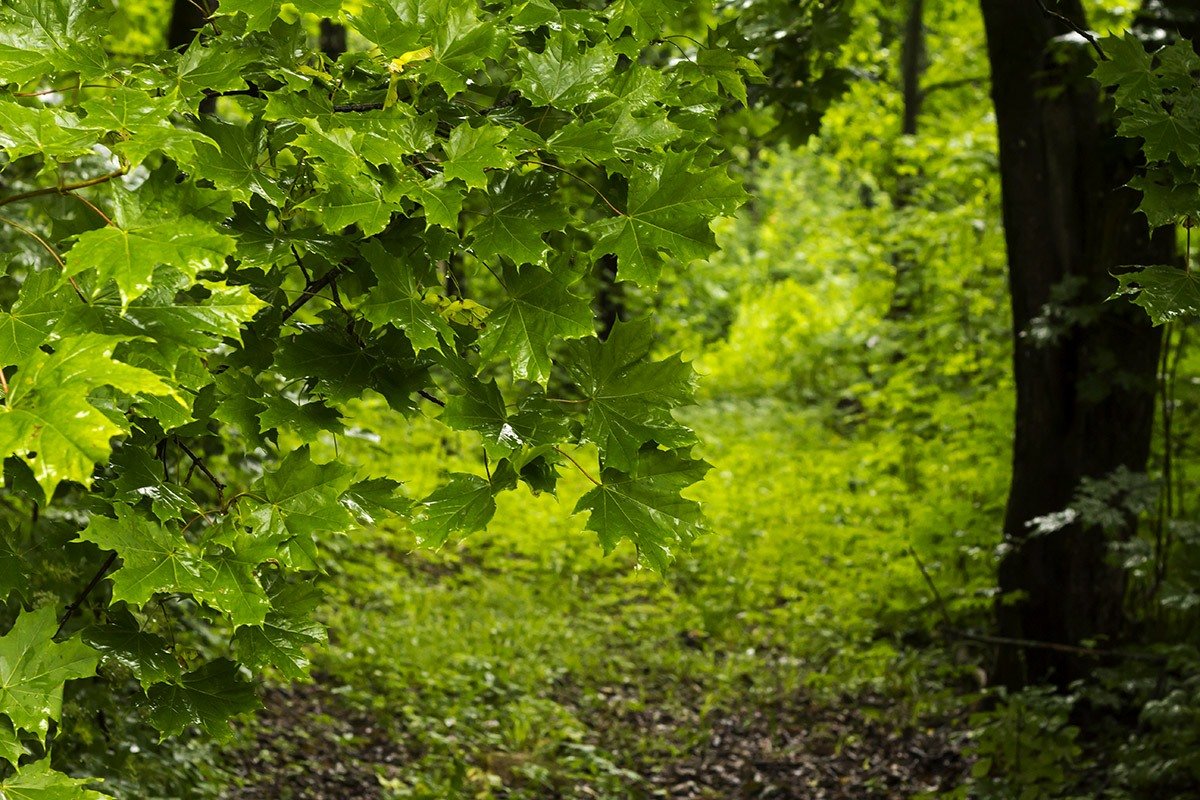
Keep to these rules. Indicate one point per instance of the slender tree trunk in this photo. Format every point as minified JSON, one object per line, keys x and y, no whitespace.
{"x":912,"y":66}
{"x":187,"y":18}
{"x":610,"y":297}
{"x":908,"y":283}
{"x":1085,"y":395}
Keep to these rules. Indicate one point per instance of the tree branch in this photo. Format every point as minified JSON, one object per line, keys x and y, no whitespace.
{"x":198,"y":463}
{"x":1076,"y":27}
{"x":62,"y":188}
{"x":310,"y":291}
{"x":78,"y":601}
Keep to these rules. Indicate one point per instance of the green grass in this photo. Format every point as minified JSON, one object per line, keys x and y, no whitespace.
{"x":523,"y":663}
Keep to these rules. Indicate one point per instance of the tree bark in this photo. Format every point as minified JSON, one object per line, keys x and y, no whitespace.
{"x":1085,"y":395}
{"x":188,"y":17}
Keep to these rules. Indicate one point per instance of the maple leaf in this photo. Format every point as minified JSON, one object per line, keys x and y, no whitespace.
{"x":465,"y":503}
{"x":47,"y":418}
{"x":399,"y":297}
{"x":154,"y":558}
{"x":668,"y":211}
{"x":33,"y":669}
{"x":470,"y":151}
{"x":629,"y":396}
{"x":643,"y":505}
{"x":519,"y":209}
{"x":207,"y":697}
{"x":37,"y":781}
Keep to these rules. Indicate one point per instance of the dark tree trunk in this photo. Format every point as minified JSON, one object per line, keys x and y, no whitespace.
{"x":912,"y":66}
{"x":332,"y":39}
{"x":610,"y":297}
{"x":908,"y":286}
{"x":1085,"y":396}
{"x":187,"y":18}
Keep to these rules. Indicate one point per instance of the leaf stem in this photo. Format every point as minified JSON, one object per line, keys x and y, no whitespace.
{"x":578,"y":466}
{"x":53,"y":253}
{"x":584,"y":181}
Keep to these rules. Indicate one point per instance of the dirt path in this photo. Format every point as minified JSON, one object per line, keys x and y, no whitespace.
{"x":307,"y":746}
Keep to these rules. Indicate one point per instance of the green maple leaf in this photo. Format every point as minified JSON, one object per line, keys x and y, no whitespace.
{"x":1167,"y":293}
{"x":34,"y":667}
{"x":540,"y":308}
{"x":47,"y":418}
{"x":344,"y":363}
{"x":129,"y":255}
{"x":565,"y":75}
{"x":39,"y":38}
{"x":282,"y":639}
{"x":643,"y":505}
{"x":470,"y":151}
{"x":482,"y":409}
{"x":154,"y":558}
{"x":146,"y":655}
{"x":300,"y":500}
{"x":520,"y":208}
{"x":1128,"y":67}
{"x":229,"y":583}
{"x":629,"y":396}
{"x":139,"y":476}
{"x":399,"y":297}
{"x":37,"y":781}
{"x":461,"y":42}
{"x":207,"y":697}
{"x":441,"y":202}
{"x":646,"y":19}
{"x":465,"y":503}
{"x":362,"y":203}
{"x":229,"y":155}
{"x":143,"y":125}
{"x":374,"y":499}
{"x":50,"y":132}
{"x":1166,"y":198}
{"x":308,"y":420}
{"x":218,"y":66}
{"x":33,"y":317}
{"x":668,"y":211}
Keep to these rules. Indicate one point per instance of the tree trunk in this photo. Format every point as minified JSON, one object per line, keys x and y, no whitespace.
{"x":1085,"y":395}
{"x":912,"y":66}
{"x":332,"y":39}
{"x":187,"y":18}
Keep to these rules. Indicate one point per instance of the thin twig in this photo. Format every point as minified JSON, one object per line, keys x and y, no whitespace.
{"x":1073,"y":25}
{"x":64,"y":188}
{"x":199,"y":464}
{"x":310,"y":291}
{"x":1009,"y":641}
{"x":53,"y":253}
{"x":584,"y":181}
{"x":586,"y":474}
{"x":431,"y":398}
{"x":95,"y":581}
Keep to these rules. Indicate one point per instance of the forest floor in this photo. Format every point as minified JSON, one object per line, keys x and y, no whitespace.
{"x":790,"y":655}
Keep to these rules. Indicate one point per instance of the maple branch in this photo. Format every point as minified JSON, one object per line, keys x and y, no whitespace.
{"x":199,"y":464}
{"x":62,"y":188}
{"x":586,"y":474}
{"x":53,"y":253}
{"x":356,"y":107}
{"x":310,"y":291}
{"x":1074,"y":26}
{"x":87,"y":590}
{"x":431,"y":398}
